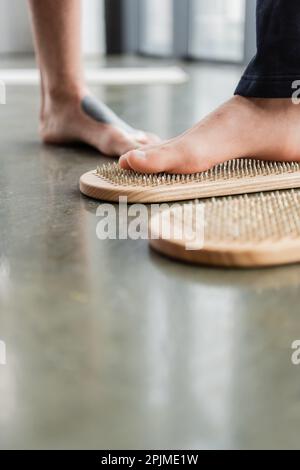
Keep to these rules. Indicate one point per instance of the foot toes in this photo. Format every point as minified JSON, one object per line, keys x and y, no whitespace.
{"x":124,"y":163}
{"x":146,"y":138}
{"x":122,"y":142}
{"x":152,"y":160}
{"x":153,"y":139}
{"x":115,"y":142}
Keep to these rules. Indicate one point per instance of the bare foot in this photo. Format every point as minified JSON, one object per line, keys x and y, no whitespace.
{"x":242,"y":127}
{"x":81,"y":118}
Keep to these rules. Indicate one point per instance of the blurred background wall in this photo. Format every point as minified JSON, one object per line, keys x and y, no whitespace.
{"x":218,"y":30}
{"x":15,"y":34}
{"x":206,"y":30}
{"x":14,"y":27}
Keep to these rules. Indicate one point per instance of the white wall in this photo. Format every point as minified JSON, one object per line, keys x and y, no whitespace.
{"x":93,"y":27}
{"x":15,"y":35}
{"x":14,"y":27}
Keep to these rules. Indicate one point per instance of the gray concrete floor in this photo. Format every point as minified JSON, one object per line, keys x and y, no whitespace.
{"x":110,"y":345}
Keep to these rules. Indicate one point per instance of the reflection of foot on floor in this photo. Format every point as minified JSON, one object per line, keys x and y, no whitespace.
{"x":262,"y":128}
{"x":66,"y":119}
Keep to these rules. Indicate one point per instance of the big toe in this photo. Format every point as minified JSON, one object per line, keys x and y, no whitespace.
{"x":154,"y":159}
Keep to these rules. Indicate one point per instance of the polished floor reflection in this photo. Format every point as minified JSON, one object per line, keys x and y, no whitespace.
{"x":110,"y":345}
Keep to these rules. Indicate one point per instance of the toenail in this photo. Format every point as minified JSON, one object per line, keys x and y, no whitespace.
{"x":139,"y":154}
{"x":123,"y":158}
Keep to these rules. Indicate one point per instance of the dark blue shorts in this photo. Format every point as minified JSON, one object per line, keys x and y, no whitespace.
{"x":272,"y":73}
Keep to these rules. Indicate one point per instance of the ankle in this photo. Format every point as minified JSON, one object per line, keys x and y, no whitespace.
{"x":61,"y":98}
{"x":65,"y":92}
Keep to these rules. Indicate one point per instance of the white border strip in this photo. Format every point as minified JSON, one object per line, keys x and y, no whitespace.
{"x":2,"y":353}
{"x":106,"y":76}
{"x":2,"y":92}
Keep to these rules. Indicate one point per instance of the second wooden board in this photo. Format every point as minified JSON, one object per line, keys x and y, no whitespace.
{"x":240,"y":231}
